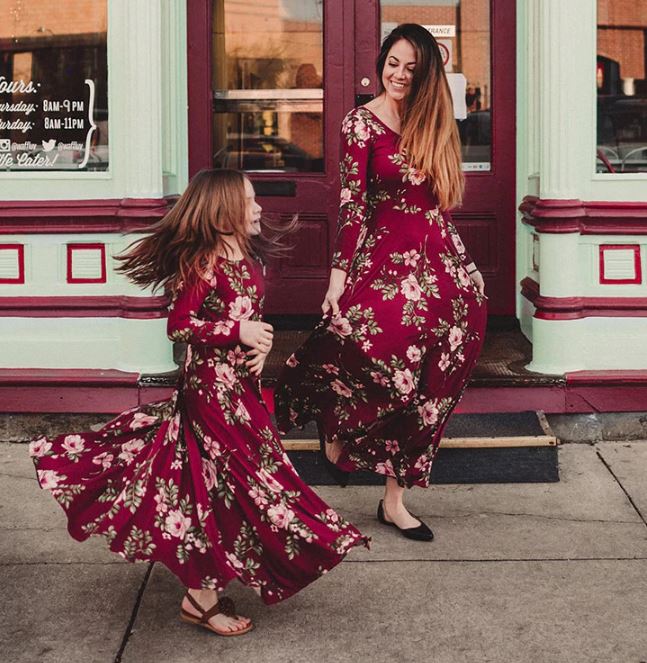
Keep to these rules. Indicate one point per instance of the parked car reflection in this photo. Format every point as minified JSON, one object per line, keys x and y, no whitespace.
{"x":258,"y":152}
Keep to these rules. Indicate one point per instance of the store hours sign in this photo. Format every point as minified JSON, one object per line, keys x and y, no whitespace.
{"x":41,"y":129}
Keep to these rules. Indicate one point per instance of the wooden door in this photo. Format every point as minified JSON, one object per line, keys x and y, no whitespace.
{"x":269,"y":83}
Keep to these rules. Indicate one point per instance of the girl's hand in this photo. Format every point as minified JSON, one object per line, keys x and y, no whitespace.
{"x":257,"y":335}
{"x":335,"y":291}
{"x":257,"y":362}
{"x":477,"y":279}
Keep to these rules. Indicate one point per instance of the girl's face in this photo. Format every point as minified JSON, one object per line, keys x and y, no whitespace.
{"x":398,"y":70}
{"x":252,"y":210}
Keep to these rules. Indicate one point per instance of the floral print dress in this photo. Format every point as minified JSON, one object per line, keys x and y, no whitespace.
{"x":201,"y":482}
{"x":384,"y":376}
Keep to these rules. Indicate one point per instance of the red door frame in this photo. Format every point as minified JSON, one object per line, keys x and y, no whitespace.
{"x":487,"y":219}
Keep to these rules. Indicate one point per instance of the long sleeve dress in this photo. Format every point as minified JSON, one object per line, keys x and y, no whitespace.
{"x":201,"y":482}
{"x":384,"y":376}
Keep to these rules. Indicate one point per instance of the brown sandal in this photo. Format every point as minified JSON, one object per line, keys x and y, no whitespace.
{"x":223,"y":606}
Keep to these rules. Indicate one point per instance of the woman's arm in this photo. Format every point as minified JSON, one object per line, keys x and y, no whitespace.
{"x":355,"y":155}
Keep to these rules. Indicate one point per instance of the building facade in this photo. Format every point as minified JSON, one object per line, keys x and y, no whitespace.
{"x":107,"y":107}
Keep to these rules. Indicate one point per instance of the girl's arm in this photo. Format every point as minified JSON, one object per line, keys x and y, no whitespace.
{"x":356,"y":150}
{"x":185,"y":324}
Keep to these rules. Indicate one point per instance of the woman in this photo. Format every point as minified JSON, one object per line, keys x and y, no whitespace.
{"x":383,"y":373}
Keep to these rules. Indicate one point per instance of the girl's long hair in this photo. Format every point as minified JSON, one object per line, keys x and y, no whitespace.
{"x":185,"y":243}
{"x":429,"y":135}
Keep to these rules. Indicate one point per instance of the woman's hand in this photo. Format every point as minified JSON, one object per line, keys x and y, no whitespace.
{"x":257,"y":335}
{"x":257,"y":361}
{"x":335,"y":291}
{"x":477,"y":280}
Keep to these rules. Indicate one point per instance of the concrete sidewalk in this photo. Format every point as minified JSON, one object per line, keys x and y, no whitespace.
{"x":518,"y":573}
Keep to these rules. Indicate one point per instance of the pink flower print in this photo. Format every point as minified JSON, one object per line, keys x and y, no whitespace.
{"x":270,"y":482}
{"x":241,"y":413}
{"x":455,"y":337}
{"x":444,"y":362}
{"x":211,"y":446}
{"x":463,"y":278}
{"x":345,"y":196}
{"x":160,"y":498}
{"x":340,"y":326}
{"x":225,"y":374}
{"x":380,"y":379}
{"x":234,"y":561}
{"x":173,"y":428}
{"x":392,"y":446}
{"x":280,"y":515}
{"x":339,"y":387}
{"x":410,"y":288}
{"x":236,"y":356}
{"x":177,"y":524}
{"x":129,"y":449}
{"x":385,"y":468}
{"x":292,"y":361}
{"x":141,"y":420}
{"x":415,"y":176}
{"x":458,"y":243}
{"x":422,"y":464}
{"x":38,"y":448}
{"x":414,"y":354}
{"x":361,"y":131}
{"x":73,"y":445}
{"x":105,"y":460}
{"x":259,"y":496}
{"x":366,"y":346}
{"x":331,"y":368}
{"x":429,"y":413}
{"x":210,"y":278}
{"x":411,"y":258}
{"x":241,"y":308}
{"x":49,"y":479}
{"x":403,"y":381}
{"x":209,"y":474}
{"x":223,"y":327}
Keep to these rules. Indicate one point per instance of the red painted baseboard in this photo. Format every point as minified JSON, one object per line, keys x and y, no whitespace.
{"x":111,"y":392}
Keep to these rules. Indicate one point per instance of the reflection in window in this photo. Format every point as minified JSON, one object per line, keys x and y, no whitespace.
{"x":53,"y":85}
{"x":622,"y":87}
{"x":268,"y":85}
{"x":462,"y":30}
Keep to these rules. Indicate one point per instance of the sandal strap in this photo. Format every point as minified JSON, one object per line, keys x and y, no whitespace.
{"x":223,"y":606}
{"x":195,"y":604}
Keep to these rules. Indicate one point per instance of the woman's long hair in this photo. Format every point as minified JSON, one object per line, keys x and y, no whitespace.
{"x":429,"y":136}
{"x":185,"y":243}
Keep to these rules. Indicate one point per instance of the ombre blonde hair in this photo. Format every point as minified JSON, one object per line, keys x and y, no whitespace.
{"x":429,"y":135}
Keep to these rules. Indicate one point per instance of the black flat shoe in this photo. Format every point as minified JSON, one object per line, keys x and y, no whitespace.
{"x":420,"y":533}
{"x":340,"y":477}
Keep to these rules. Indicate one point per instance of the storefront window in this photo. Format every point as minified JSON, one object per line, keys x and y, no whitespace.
{"x":622,"y":87}
{"x":53,"y":85}
{"x":462,"y":29}
{"x":268,"y":85}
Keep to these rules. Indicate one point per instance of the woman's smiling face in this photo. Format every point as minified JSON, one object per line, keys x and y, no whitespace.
{"x":399,"y":66}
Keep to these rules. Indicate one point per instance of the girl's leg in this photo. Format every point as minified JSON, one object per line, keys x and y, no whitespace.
{"x":206,"y":599}
{"x":394,"y":509}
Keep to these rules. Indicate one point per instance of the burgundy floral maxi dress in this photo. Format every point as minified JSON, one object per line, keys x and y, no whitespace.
{"x":201,"y":482}
{"x":384,"y":376}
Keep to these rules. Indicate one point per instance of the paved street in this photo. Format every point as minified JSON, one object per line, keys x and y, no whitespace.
{"x":518,"y":573}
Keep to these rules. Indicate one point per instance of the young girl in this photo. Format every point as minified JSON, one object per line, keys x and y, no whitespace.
{"x":201,"y":482}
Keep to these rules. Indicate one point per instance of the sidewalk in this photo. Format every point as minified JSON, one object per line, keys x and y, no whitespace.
{"x":518,"y":573}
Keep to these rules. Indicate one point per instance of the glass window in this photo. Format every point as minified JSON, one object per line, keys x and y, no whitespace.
{"x":268,"y":85}
{"x":53,"y":85}
{"x":622,"y":87}
{"x":462,"y":29}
